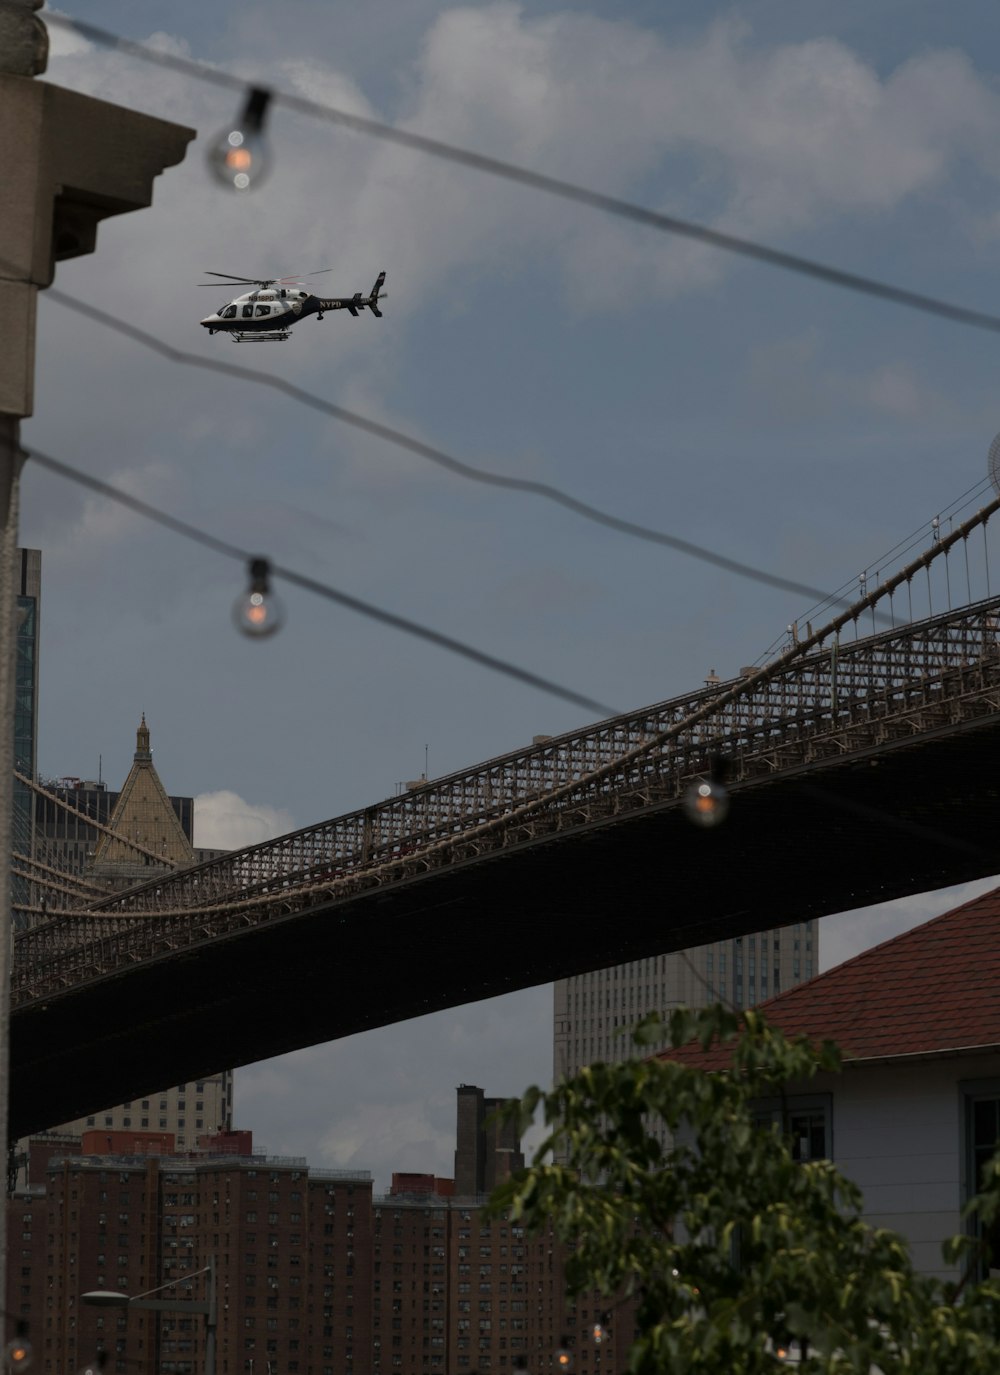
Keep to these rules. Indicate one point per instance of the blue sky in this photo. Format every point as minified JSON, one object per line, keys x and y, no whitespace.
{"x":786,"y":424}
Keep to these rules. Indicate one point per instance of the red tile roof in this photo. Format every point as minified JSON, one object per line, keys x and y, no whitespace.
{"x":934,"y":988}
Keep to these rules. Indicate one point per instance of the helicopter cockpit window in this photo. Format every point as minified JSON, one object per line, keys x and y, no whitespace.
{"x":247,"y":312}
{"x":228,"y":314}
{"x":263,"y":310}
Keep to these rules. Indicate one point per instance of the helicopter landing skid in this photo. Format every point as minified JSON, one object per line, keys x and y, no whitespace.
{"x":260,"y":336}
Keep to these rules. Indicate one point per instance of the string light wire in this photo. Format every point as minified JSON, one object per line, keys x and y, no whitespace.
{"x":320,"y":589}
{"x":554,"y":186}
{"x":437,"y":456}
{"x":775,"y":258}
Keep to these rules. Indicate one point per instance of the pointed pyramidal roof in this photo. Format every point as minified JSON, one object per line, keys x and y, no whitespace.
{"x":932,"y":990}
{"x":144,"y":814}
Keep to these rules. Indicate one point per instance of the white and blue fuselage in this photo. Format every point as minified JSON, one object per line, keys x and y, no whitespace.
{"x":272,"y":310}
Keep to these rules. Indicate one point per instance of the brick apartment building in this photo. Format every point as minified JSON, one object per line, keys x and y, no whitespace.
{"x":292,"y":1253}
{"x":313,"y":1275}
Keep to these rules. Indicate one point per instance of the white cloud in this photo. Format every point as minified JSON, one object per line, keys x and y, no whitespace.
{"x":224,"y":821}
{"x":896,"y":390}
{"x":385,"y":1100}
{"x":781,"y":136}
{"x":64,"y":42}
{"x":97,"y":526}
{"x":713,"y":127}
{"x":378,"y":1132}
{"x":317,"y":81}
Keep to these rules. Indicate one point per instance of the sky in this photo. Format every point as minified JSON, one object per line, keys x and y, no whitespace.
{"x":794,"y":427}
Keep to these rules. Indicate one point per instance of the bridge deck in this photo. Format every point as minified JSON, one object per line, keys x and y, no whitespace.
{"x":865,"y":772}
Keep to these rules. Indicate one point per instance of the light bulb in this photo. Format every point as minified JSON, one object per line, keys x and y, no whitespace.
{"x":258,"y":612}
{"x":706,"y":803}
{"x":18,"y":1354}
{"x":598,"y":1333}
{"x":240,"y":156}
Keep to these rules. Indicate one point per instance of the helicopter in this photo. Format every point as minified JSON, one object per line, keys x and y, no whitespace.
{"x":278,"y":303}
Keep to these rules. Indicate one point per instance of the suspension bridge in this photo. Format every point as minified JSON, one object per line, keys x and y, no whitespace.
{"x":861,"y":766}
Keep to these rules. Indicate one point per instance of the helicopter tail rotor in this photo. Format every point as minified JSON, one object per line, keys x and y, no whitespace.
{"x":373,"y":298}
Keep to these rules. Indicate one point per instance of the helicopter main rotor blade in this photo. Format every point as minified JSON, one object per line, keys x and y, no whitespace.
{"x":298,"y":276}
{"x":232,"y":277}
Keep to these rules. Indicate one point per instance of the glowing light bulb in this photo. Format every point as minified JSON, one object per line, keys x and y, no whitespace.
{"x":259,"y":612}
{"x":564,"y":1357}
{"x":18,"y":1353}
{"x":706,"y":803}
{"x":598,"y":1333}
{"x":240,"y":156}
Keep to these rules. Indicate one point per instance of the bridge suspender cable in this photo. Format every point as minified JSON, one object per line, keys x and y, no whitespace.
{"x":90,"y":820}
{"x":743,"y":688}
{"x":136,"y":909}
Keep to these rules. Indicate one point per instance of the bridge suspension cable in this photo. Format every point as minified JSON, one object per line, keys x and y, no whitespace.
{"x":66,"y":806}
{"x":280,"y":875}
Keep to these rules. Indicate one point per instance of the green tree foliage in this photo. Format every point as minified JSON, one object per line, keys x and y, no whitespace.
{"x":732,"y":1248}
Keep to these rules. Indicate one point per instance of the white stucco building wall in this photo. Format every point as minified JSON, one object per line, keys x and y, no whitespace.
{"x":900,"y":1129}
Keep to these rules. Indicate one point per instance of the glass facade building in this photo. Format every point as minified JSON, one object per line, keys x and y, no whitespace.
{"x":26,"y":711}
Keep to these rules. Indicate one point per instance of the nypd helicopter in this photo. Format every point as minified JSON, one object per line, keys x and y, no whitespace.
{"x":277,"y":303}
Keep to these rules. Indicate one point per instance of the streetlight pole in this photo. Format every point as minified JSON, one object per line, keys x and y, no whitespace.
{"x":111,"y":1298}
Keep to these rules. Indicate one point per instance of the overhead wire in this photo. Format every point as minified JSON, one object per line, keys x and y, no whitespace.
{"x":320,"y":589}
{"x":613,"y":205}
{"x":225,"y":548}
{"x":456,"y":466}
{"x":536,"y":180}
{"x":539,"y":181}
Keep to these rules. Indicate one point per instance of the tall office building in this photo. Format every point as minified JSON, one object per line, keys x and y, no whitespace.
{"x":141,"y":832}
{"x":487,"y":1149}
{"x":592,"y":1013}
{"x":186,"y":1111}
{"x":72,"y":816}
